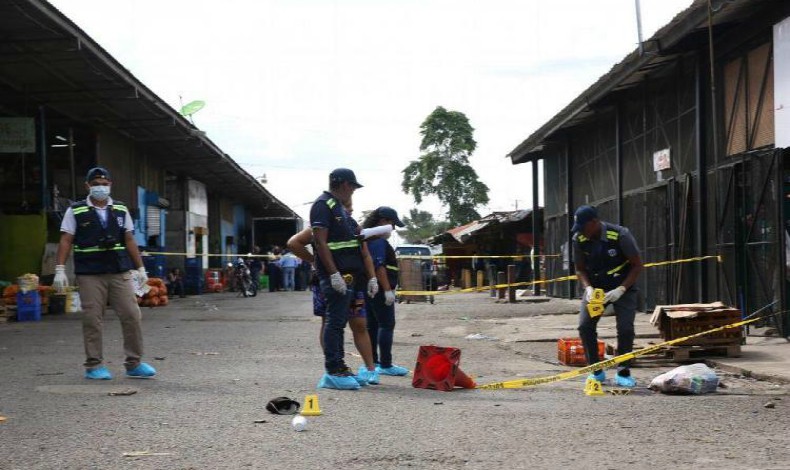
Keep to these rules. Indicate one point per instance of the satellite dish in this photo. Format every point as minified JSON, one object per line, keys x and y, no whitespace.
{"x":192,"y":107}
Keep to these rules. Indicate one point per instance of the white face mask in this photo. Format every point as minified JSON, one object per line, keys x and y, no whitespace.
{"x":100,"y":193}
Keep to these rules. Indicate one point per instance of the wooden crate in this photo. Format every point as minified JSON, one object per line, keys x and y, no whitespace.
{"x":673,"y":328}
{"x":410,"y":278}
{"x":678,"y":321}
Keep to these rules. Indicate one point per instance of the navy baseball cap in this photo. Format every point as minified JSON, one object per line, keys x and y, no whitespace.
{"x":583,"y":215}
{"x":340,"y":175}
{"x":385,"y":212}
{"x":97,"y":172}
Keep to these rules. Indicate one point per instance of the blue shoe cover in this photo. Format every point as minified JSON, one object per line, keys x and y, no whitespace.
{"x":99,"y":373}
{"x":339,"y":382}
{"x":628,"y":382}
{"x":371,"y":376}
{"x":361,"y":378}
{"x":142,"y":370}
{"x":392,"y":370}
{"x":600,"y":376}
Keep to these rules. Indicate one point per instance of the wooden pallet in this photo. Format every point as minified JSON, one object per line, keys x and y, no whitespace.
{"x":683,"y":353}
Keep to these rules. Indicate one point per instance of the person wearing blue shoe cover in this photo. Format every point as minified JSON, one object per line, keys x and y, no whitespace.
{"x":357,"y":314}
{"x":341,"y":272}
{"x":381,"y":308}
{"x":106,"y":259}
{"x":607,"y":257}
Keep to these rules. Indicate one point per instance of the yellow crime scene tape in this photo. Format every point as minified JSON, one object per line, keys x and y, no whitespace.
{"x":609,"y":363}
{"x":549,"y":281}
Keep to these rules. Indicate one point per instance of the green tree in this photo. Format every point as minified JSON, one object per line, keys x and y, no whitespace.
{"x":420,"y":226}
{"x":443,"y":168}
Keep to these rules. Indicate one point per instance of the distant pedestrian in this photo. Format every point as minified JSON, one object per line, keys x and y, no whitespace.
{"x":274,"y":271}
{"x":289,"y":263}
{"x":256,"y":266}
{"x":175,"y":283}
{"x":303,"y":273}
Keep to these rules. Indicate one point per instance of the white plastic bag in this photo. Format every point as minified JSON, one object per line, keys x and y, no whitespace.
{"x":76,"y":303}
{"x":693,"y":379}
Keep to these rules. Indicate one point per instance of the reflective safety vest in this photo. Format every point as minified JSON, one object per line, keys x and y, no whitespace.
{"x":391,"y":264}
{"x":606,"y":264}
{"x":341,"y":239}
{"x":99,"y":249}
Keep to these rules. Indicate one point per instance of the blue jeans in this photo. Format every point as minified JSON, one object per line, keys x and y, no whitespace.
{"x":381,"y":328}
{"x":625,"y":312}
{"x":288,"y":277}
{"x":336,"y":319}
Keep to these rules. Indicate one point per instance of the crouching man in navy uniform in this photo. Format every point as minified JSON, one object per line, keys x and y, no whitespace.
{"x":606,"y":257}
{"x":106,"y":258}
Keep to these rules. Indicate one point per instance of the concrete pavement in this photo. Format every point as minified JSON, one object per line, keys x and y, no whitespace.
{"x":221,"y":358}
{"x":765,"y":358}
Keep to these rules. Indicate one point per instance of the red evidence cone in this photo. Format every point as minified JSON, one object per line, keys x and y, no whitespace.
{"x":438,"y":369}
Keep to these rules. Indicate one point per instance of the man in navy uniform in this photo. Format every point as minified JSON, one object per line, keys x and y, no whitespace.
{"x":341,"y":271}
{"x":606,"y":257}
{"x":106,"y":258}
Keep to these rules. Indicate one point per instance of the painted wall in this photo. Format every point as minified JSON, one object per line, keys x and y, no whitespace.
{"x":22,"y":241}
{"x":197,"y":218}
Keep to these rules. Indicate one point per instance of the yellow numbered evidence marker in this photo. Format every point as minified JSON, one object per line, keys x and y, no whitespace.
{"x":595,"y":309}
{"x":593,"y":388}
{"x":311,"y":407}
{"x":595,"y":306}
{"x":598,"y":296}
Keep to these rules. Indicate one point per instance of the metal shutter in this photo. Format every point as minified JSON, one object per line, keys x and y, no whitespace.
{"x":153,"y":221}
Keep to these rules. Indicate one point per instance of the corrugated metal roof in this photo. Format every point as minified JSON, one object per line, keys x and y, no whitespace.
{"x":659,"y":51}
{"x":48,"y":60}
{"x":463,"y":232}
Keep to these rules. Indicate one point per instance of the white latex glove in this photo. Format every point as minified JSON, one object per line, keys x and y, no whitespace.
{"x":614,"y":295}
{"x":61,"y":282}
{"x":373,"y":287}
{"x":140,"y":281}
{"x":143,"y":276}
{"x":389,"y":297}
{"x":588,"y":293}
{"x":338,"y":283}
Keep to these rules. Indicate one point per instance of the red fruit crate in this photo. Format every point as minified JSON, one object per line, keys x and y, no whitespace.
{"x":571,"y":352}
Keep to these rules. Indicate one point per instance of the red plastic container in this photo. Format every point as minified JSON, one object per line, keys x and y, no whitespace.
{"x":571,"y":352}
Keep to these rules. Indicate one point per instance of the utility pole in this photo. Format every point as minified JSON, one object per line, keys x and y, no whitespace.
{"x":639,"y":26}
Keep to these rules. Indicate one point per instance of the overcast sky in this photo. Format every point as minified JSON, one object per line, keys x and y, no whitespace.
{"x":295,"y":88}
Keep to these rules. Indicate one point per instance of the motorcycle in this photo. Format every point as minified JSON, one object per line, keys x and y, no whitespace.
{"x":243,"y":278}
